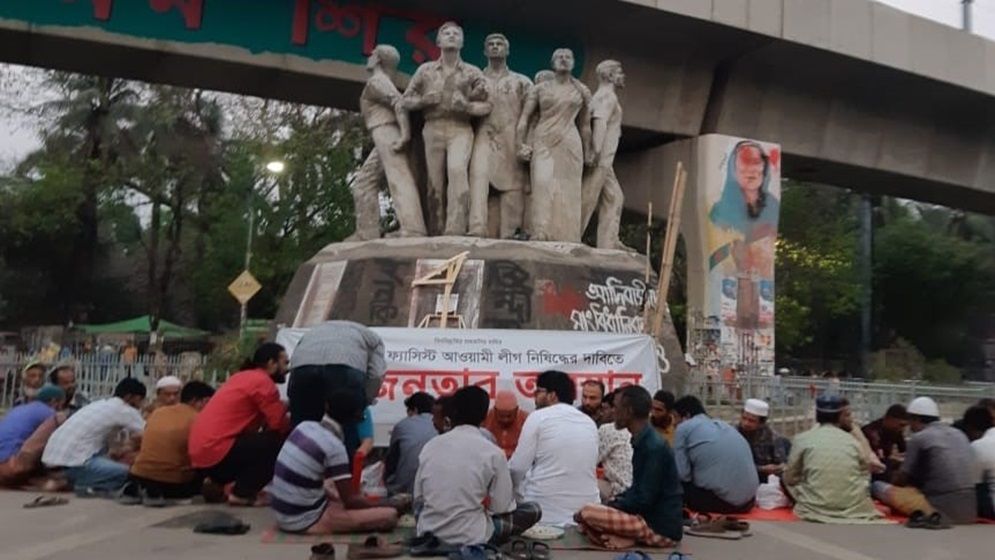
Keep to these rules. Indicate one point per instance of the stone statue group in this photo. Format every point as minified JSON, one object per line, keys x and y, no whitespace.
{"x":503,"y":156}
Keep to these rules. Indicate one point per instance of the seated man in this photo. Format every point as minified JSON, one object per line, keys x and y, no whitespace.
{"x":459,"y":472}
{"x":826,"y":473}
{"x":714,"y":462}
{"x":505,"y":421}
{"x":938,"y":472}
{"x":64,"y":375}
{"x":768,"y":453}
{"x":614,"y":454}
{"x":162,"y":469}
{"x":556,"y":460}
{"x":239,"y":433}
{"x":32,"y":379}
{"x":979,"y":424}
{"x":886,"y":437}
{"x":592,"y":396}
{"x":662,"y":415}
{"x":79,"y":443}
{"x":406,"y":442}
{"x":167,"y":393}
{"x":312,"y":489}
{"x":24,"y":431}
{"x":649,"y":512}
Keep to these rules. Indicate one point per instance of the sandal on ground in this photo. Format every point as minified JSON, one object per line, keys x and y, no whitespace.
{"x":46,"y":501}
{"x":323,"y":551}
{"x":374,"y":547}
{"x":428,"y":545}
{"x":517,"y":549}
{"x":476,"y":552}
{"x":539,"y":551}
{"x":733,"y":524}
{"x":714,"y":530}
{"x":936,"y":521}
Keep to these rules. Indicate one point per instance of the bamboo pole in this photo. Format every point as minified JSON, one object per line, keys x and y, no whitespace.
{"x":669,"y":247}
{"x":649,"y":241}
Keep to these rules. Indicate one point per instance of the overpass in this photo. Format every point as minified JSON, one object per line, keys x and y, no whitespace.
{"x":858,"y":94}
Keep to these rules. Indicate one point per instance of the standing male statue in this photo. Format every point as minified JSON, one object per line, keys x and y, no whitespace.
{"x":388,"y":124}
{"x":449,"y":92}
{"x":495,"y":162}
{"x":601,"y":190}
{"x":560,"y":148}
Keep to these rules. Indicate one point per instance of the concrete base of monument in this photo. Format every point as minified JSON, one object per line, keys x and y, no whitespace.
{"x":501,"y":284}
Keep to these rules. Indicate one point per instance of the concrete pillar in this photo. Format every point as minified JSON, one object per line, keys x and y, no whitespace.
{"x":730,"y":243}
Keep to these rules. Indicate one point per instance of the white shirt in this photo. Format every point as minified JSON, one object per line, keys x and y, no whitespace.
{"x":555,"y":462}
{"x":85,"y":433}
{"x":984,"y":455}
{"x":456,"y":471}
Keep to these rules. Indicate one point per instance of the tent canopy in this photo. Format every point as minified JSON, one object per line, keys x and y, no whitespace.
{"x":142,"y":325}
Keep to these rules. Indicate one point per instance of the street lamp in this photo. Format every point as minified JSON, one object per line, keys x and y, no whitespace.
{"x":273,"y":167}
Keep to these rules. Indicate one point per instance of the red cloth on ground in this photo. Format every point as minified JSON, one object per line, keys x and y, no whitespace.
{"x":248,"y":401}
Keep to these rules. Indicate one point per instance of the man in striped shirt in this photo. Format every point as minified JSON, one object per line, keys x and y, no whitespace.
{"x":312,"y":488}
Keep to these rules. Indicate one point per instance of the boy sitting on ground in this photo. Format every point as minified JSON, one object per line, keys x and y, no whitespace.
{"x":312,"y":489}
{"x":461,"y":469}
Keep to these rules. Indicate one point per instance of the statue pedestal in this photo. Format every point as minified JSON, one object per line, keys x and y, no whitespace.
{"x":501,"y":284}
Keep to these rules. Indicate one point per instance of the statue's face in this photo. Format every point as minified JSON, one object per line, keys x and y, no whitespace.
{"x":496,"y":47}
{"x":563,"y":61}
{"x":618,"y":77}
{"x":450,"y":37}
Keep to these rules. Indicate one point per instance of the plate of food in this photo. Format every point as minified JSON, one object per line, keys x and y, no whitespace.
{"x":543,"y":533}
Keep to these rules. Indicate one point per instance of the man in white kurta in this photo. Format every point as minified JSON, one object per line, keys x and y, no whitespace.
{"x":556,"y":459}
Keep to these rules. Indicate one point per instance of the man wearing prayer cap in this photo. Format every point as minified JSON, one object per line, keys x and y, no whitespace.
{"x":768,"y":447}
{"x":167,"y":390}
{"x":826,"y":474}
{"x":505,"y":421}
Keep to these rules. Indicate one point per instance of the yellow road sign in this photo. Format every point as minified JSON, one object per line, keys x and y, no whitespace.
{"x":244,"y":287}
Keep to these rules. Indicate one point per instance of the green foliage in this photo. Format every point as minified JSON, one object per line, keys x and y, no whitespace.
{"x":899,"y":362}
{"x":818,"y":292}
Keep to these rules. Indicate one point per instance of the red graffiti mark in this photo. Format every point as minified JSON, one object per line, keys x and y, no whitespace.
{"x":352,"y":20}
{"x":192,"y":10}
{"x":775,"y":158}
{"x":556,"y":301}
{"x":101,"y":8}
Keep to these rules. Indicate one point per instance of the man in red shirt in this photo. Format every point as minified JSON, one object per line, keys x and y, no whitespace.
{"x":505,"y":421}
{"x":239,"y":433}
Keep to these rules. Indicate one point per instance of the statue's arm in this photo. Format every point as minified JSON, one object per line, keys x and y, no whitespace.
{"x":524,"y":121}
{"x":415,"y":98}
{"x":584,"y":124}
{"x":599,"y":130}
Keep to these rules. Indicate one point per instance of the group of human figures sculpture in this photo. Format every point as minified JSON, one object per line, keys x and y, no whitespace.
{"x":536,"y":158}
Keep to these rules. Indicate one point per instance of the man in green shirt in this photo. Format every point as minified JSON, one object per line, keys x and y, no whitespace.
{"x":649,"y":512}
{"x":826,"y":473}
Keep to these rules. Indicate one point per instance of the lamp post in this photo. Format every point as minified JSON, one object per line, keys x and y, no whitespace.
{"x":273,"y":167}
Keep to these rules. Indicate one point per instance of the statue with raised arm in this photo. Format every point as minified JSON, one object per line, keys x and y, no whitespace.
{"x":561,"y":147}
{"x":388,"y":124}
{"x":495,"y":166}
{"x":601,"y":190}
{"x":449,"y":92}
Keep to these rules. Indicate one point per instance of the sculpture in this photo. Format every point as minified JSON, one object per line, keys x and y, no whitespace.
{"x":601,"y":190}
{"x":449,"y":92}
{"x":561,"y":146}
{"x":388,"y":124}
{"x":495,"y":162}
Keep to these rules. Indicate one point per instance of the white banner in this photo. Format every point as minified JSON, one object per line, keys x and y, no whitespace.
{"x":441,"y":361}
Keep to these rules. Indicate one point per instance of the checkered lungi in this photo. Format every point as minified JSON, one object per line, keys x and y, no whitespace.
{"x":508,"y":525}
{"x":613,"y":529}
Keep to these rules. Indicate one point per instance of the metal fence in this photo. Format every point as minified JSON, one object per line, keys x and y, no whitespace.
{"x":792,"y":399}
{"x":97,"y":374}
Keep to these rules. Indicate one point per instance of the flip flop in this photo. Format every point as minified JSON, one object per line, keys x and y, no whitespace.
{"x":374,"y":547}
{"x":46,"y":501}
{"x":633,"y":555}
{"x":323,"y":551}
{"x":714,"y":530}
{"x":539,"y":551}
{"x":517,"y":549}
{"x":223,"y":524}
{"x":428,"y":545}
{"x":936,"y":521}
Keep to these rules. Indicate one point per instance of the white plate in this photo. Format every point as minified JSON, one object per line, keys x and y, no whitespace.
{"x":543,"y":533}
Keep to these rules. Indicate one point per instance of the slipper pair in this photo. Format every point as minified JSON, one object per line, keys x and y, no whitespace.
{"x":719,"y":528}
{"x":919,"y":520}
{"x":521,"y":549}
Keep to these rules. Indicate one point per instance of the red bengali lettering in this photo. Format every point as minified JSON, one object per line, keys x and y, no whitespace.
{"x":192,"y":10}
{"x":525,"y":382}
{"x":101,"y":8}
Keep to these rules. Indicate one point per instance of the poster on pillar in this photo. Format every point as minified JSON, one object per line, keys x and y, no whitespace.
{"x":739,"y":193}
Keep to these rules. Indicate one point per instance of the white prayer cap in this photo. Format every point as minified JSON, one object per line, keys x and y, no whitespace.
{"x":168,"y":381}
{"x":756,"y":407}
{"x":924,"y":406}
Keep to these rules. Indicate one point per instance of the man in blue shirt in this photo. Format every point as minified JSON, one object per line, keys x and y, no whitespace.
{"x":406,"y":442}
{"x":24,"y":432}
{"x":649,"y":512}
{"x":714,"y":461}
